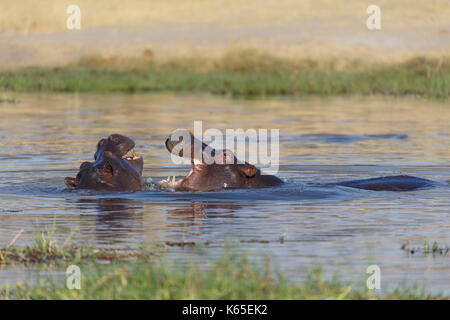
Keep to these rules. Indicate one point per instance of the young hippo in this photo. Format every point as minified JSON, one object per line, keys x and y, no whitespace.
{"x":213,"y":170}
{"x":112,"y":170}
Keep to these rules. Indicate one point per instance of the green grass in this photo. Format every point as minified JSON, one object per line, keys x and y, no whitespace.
{"x":46,"y":251}
{"x":230,"y":277}
{"x":145,"y":274}
{"x":245,"y":73}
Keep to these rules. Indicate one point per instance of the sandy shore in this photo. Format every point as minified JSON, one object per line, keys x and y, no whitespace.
{"x":37,"y":35}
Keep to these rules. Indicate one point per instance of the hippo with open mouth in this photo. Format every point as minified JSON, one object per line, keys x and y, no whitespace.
{"x":222,"y":170}
{"x":113,"y":169}
{"x":232,"y":174}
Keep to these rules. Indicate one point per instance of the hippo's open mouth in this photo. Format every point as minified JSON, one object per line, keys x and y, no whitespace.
{"x":212,"y":169}
{"x":131,"y":156}
{"x":173,"y":183}
{"x":196,"y":164}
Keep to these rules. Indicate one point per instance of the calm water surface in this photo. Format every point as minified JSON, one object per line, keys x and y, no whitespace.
{"x":44,"y":138}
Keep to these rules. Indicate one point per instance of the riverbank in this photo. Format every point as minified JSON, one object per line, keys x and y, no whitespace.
{"x":231,"y":277}
{"x":145,"y":274}
{"x":243,"y":73}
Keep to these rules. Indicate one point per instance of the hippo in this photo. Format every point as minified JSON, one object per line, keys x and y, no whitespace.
{"x":112,"y":169}
{"x":389,"y":183}
{"x":221,"y":171}
{"x":234,"y":174}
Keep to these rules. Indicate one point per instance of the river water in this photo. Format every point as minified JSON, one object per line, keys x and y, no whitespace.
{"x":45,"y":137}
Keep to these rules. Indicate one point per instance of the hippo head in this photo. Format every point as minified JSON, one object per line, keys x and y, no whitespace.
{"x":112,"y":169}
{"x":212,"y":169}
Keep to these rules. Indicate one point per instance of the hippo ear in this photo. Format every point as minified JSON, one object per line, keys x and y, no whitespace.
{"x":248,"y":170}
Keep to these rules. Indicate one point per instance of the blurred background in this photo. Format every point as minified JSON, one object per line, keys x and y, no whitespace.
{"x":35,"y":33}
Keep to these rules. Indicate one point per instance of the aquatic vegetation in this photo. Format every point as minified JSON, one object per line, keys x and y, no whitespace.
{"x":426,"y":249}
{"x":45,"y":250}
{"x":32,"y":255}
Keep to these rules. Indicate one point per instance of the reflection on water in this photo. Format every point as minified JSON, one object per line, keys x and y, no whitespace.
{"x":114,"y":218}
{"x":44,"y":138}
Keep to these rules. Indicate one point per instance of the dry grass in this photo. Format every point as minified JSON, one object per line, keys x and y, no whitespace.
{"x":252,"y":60}
{"x":30,"y":16}
{"x":34,"y":33}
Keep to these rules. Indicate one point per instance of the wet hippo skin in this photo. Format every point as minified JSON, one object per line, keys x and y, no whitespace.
{"x":112,"y":169}
{"x":389,"y":183}
{"x":223,"y":171}
{"x":213,"y":177}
